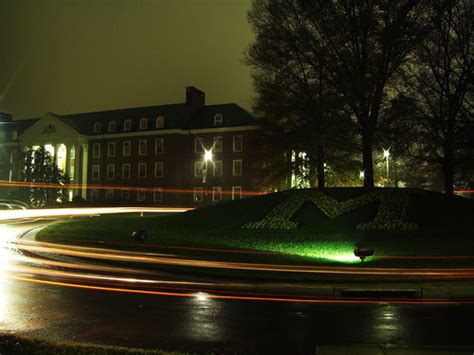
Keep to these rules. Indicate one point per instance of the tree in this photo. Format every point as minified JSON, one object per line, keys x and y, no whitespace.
{"x":356,"y":46}
{"x":39,"y":167}
{"x":439,"y":86}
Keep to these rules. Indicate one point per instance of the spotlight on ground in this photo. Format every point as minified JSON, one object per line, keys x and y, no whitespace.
{"x":362,"y":251}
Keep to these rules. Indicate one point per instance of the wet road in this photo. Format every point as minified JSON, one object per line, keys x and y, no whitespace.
{"x":201,"y":323}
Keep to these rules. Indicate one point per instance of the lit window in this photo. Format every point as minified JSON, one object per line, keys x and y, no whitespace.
{"x":141,"y":170}
{"x":218,"y":119}
{"x":142,"y":147}
{"x":157,"y":194}
{"x":110,"y":171}
{"x":198,"y":168}
{"x":199,"y":145}
{"x":112,"y":126}
{"x":159,"y":169}
{"x":97,"y":127}
{"x":237,"y":167}
{"x":126,"y":171}
{"x":96,"y":150}
{"x":127,"y":148}
{"x":216,"y":193}
{"x":197,"y":194}
{"x":109,"y":194}
{"x":217,"y":168}
{"x":141,"y":195}
{"x":160,"y":122}
{"x":143,"y":123}
{"x":237,"y":143}
{"x":159,"y":146}
{"x":127,"y":125}
{"x":236,"y":192}
{"x":217,"y":145}
{"x":95,"y":172}
{"x":111,"y":149}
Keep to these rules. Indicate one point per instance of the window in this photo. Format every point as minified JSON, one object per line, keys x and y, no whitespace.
{"x":112,"y":127}
{"x":111,"y":149}
{"x":216,"y":193}
{"x":157,"y":194}
{"x":127,"y":148}
{"x":159,"y":146}
{"x":127,"y":125}
{"x":217,"y":146}
{"x":217,"y":168}
{"x":218,"y":119}
{"x":143,"y":123}
{"x":237,"y":167}
{"x":95,"y":172}
{"x":109,"y":194}
{"x":160,"y":122}
{"x":141,"y":195}
{"x":125,"y":195}
{"x":142,"y":147}
{"x":96,"y":150}
{"x":159,"y":169}
{"x":237,"y":143}
{"x":95,"y":194}
{"x":197,"y":194}
{"x":199,"y":145}
{"x":110,"y":171}
{"x":141,"y":170}
{"x":126,"y":171}
{"x":198,"y":168}
{"x":97,"y":127}
{"x":236,"y":192}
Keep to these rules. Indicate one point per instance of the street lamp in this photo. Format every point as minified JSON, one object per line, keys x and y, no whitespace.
{"x":207,"y":158}
{"x":386,"y":155}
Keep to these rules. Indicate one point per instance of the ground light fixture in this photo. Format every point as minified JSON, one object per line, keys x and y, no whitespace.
{"x":362,"y":251}
{"x":139,"y":235}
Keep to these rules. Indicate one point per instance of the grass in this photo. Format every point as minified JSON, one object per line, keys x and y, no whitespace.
{"x":444,"y":229}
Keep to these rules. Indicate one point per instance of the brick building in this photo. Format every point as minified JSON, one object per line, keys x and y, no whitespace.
{"x":147,"y":155}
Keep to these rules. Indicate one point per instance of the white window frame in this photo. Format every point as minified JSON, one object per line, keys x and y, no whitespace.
{"x":143,"y":124}
{"x":95,"y":169}
{"x":155,"y":191}
{"x":162,"y":144}
{"x":158,"y":163}
{"x":139,"y":165}
{"x":234,"y":190}
{"x":110,"y":168}
{"x":198,"y":195}
{"x":97,"y":127}
{"x":218,"y":119}
{"x":216,"y":193}
{"x":124,"y":144}
{"x":109,"y":194}
{"x":160,"y":122}
{"x":123,"y":171}
{"x":234,"y":162}
{"x":234,"y":148}
{"x":198,"y":166}
{"x":125,"y":194}
{"x":127,"y":125}
{"x":112,"y":127}
{"x":96,"y":150}
{"x":140,"y":197}
{"x":218,"y":148}
{"x":111,"y":144}
{"x":216,"y":163}
{"x":199,"y":145}
{"x":144,"y":141}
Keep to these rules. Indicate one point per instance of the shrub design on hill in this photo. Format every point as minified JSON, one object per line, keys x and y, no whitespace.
{"x":390,"y":216}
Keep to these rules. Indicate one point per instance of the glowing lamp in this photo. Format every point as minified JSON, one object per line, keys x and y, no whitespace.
{"x":208,"y":155}
{"x":362,"y":251}
{"x":386,"y":153}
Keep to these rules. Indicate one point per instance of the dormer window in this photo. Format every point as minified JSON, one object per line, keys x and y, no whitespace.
{"x":218,"y":119}
{"x":97,"y":127}
{"x":112,"y":126}
{"x":160,"y":122}
{"x":143,"y":123}
{"x":127,"y":125}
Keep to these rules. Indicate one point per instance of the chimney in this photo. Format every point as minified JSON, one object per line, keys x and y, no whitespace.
{"x":195,"y":98}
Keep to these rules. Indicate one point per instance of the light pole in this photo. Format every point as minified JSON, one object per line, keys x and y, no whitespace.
{"x":386,"y":155}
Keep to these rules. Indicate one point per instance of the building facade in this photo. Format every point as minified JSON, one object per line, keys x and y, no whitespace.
{"x":187,"y":154}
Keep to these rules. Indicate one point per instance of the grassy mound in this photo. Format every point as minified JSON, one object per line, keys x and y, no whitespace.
{"x":443,"y":227}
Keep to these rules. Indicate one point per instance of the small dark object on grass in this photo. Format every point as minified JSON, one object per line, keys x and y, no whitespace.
{"x":362,"y":251}
{"x":139,"y":235}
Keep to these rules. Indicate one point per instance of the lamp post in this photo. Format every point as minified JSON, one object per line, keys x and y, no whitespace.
{"x":386,"y":155}
{"x":207,"y":158}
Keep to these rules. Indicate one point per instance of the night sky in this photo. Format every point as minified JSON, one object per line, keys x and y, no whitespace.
{"x":68,"y":56}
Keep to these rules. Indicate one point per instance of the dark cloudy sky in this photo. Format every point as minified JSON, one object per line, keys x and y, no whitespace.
{"x":67,"y":56}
